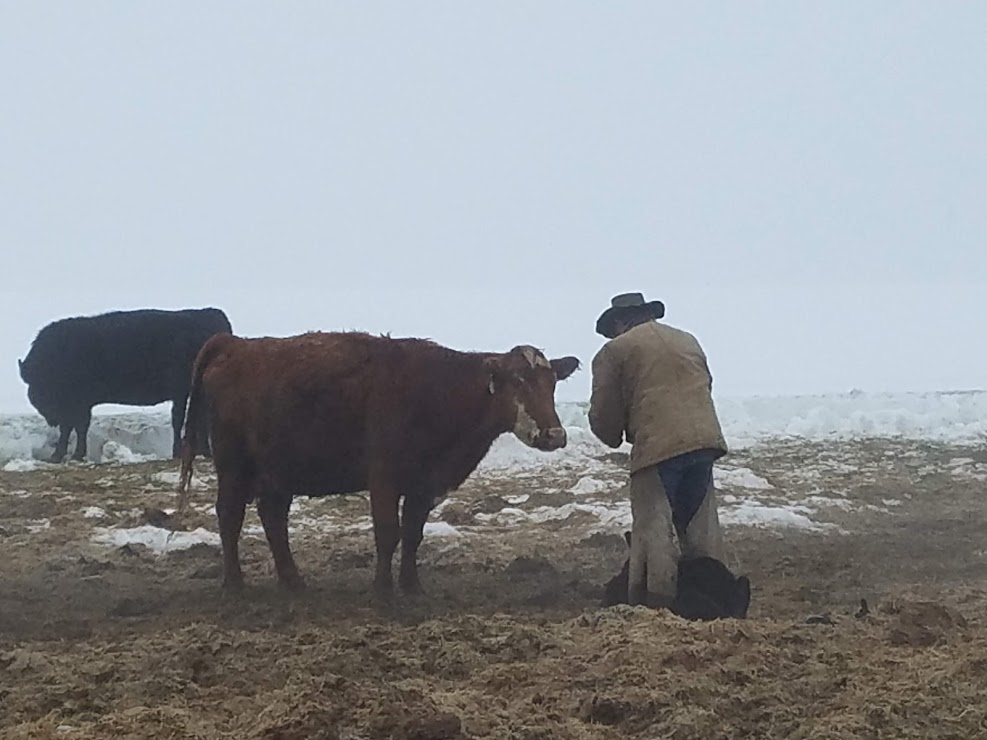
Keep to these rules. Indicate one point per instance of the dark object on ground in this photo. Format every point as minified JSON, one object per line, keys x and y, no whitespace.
{"x":706,"y":589}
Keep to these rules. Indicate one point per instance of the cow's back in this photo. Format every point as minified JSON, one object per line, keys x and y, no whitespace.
{"x":327,"y":412}
{"x":139,"y":357}
{"x":293,"y":407}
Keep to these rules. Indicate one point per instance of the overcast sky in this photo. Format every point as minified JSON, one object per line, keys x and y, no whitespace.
{"x":803,"y":184}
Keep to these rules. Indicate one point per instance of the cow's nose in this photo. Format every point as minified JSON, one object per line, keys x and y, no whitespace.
{"x":553,"y":439}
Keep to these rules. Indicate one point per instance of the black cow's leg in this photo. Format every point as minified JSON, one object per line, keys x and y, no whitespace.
{"x":62,"y":446}
{"x":177,"y":417}
{"x":414,"y":514}
{"x":231,"y":504}
{"x":273,"y":510}
{"x":384,"y":510}
{"x":82,"y":434}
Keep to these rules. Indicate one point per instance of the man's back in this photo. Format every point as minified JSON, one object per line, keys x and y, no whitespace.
{"x":653,"y":382}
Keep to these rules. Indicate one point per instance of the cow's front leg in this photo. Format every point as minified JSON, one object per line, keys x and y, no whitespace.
{"x":414,"y":514}
{"x":384,"y":510}
{"x":82,"y":435}
{"x":62,"y":446}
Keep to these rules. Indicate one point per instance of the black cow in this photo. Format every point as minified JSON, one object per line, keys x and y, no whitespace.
{"x":705,"y":589}
{"x":134,"y":358}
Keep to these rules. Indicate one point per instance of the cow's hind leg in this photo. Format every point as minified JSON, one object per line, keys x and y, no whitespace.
{"x":231,"y":504}
{"x":413,"y":517}
{"x":273,"y":510}
{"x":384,"y":509}
{"x":82,"y":434}
{"x":62,"y":446}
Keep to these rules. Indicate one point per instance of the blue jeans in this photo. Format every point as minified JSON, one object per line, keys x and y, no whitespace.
{"x":686,"y":479}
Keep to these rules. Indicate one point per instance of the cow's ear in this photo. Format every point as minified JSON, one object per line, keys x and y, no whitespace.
{"x":564,"y":367}
{"x":627,"y":536}
{"x":494,"y":369}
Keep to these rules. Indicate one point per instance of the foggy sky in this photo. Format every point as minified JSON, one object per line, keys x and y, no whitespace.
{"x":802,"y":184}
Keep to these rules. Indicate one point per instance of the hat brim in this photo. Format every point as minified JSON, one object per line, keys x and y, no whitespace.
{"x":604,"y":324}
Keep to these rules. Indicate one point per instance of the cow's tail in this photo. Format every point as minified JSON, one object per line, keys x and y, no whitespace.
{"x":194,"y":413}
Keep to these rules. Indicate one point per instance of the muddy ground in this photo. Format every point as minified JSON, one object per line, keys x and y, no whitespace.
{"x":101,"y":640}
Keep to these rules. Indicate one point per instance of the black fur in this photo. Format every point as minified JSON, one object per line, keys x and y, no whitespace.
{"x":135,"y":358}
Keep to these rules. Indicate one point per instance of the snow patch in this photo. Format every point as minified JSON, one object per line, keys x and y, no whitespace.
{"x":753,"y":514}
{"x":155,"y":539}
{"x":960,"y":462}
{"x":93,"y":512}
{"x":19,"y":465}
{"x":620,"y":514}
{"x":170,"y":479}
{"x":114,"y":452}
{"x":441,"y":529}
{"x":589,"y":484}
{"x":740,"y":478}
{"x":967,"y":468}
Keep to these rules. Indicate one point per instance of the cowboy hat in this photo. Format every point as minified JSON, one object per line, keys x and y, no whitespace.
{"x":620,"y":305}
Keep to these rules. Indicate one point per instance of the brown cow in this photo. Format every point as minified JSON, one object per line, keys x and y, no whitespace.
{"x":330,"y":413}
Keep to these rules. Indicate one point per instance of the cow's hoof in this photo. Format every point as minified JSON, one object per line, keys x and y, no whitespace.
{"x":383,"y":593}
{"x":293,"y":584}
{"x":411,"y":588}
{"x":233,"y":584}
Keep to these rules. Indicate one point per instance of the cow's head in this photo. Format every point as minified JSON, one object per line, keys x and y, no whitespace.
{"x":523,"y":383}
{"x":44,"y":402}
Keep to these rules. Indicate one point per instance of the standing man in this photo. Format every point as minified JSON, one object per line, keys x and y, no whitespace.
{"x":652,"y":386}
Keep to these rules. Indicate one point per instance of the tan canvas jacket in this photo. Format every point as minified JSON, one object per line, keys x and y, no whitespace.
{"x":652,"y":385}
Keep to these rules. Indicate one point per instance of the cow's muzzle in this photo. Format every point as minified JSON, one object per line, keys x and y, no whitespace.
{"x":550,"y":439}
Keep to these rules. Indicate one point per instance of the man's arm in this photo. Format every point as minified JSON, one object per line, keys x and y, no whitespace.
{"x":607,"y":411}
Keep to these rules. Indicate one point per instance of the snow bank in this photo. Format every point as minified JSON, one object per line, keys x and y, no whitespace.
{"x":956,"y":417}
{"x":124,"y":438}
{"x":944,"y":416}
